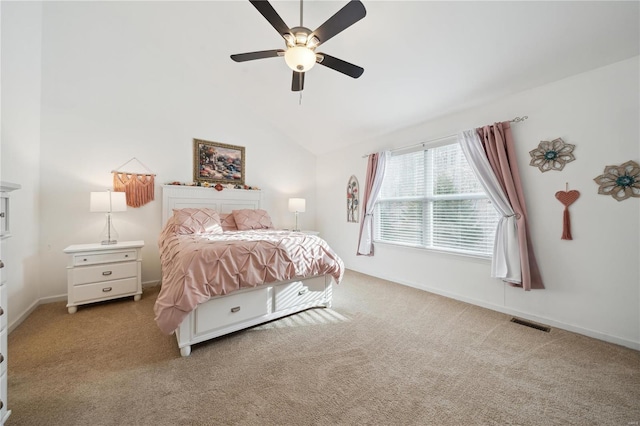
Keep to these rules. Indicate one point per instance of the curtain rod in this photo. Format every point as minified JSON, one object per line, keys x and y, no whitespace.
{"x":515,"y":120}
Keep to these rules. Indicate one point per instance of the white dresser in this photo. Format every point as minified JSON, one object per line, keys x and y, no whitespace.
{"x":97,"y":272}
{"x":5,"y":233}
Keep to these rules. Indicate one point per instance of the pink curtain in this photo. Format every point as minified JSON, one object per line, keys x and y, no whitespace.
{"x":498,"y":144}
{"x":376,"y":164}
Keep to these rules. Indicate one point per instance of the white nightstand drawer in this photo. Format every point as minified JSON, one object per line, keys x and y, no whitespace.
{"x":299,"y":293}
{"x":104,"y":290}
{"x":3,"y":396}
{"x":92,"y":258}
{"x":3,"y":307}
{"x":102,"y":273}
{"x":232,"y":309}
{"x":3,"y":352}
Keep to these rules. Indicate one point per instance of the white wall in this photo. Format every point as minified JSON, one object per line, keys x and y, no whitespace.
{"x":592,"y":282}
{"x":118,"y":81}
{"x":20,"y":149}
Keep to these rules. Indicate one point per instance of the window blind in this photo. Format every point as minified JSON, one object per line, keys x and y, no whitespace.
{"x":432,"y":199}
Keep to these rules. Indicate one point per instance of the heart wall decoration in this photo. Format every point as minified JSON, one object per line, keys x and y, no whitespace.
{"x":567,"y":198}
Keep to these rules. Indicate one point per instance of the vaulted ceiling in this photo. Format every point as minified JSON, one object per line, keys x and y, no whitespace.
{"x":422,"y":60}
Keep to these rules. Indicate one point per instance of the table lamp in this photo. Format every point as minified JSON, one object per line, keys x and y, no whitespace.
{"x":108,"y":202}
{"x":297,"y":205}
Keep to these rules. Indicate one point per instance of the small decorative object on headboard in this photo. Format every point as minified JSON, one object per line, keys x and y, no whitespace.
{"x":552,"y":155}
{"x":621,"y":182}
{"x":567,"y":198}
{"x":353,"y":192}
{"x":139,"y":187}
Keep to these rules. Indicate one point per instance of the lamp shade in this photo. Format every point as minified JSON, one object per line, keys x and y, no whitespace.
{"x":107,"y":201}
{"x":300,"y":58}
{"x":297,"y":204}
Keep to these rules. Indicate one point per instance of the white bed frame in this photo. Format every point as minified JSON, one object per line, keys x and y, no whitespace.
{"x":244,"y":308}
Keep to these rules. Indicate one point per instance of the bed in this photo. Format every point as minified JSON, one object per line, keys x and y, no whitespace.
{"x":203,"y":297}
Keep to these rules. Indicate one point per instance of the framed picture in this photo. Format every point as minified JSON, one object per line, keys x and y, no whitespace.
{"x":217,"y":162}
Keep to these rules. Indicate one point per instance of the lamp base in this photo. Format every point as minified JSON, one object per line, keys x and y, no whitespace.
{"x":109,"y":234}
{"x":295,"y":228}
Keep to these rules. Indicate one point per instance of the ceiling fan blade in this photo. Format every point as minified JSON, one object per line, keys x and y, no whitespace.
{"x":297,"y":84}
{"x":270,"y":14}
{"x":341,"y":66}
{"x":351,"y":13}
{"x":242,"y":57}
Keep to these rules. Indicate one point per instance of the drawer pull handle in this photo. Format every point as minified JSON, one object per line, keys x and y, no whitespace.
{"x":1,"y":404}
{"x":126,"y":255}
{"x":105,"y":273}
{"x":1,"y":312}
{"x":1,"y":358}
{"x":1,"y":264}
{"x":236,"y":309}
{"x":84,"y":260}
{"x":2,"y":214}
{"x":106,"y":289}
{"x":303,"y":291}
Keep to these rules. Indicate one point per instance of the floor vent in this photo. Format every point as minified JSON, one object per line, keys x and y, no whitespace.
{"x":540,"y":327}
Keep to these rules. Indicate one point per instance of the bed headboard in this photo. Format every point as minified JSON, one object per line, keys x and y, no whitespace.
{"x":180,"y":197}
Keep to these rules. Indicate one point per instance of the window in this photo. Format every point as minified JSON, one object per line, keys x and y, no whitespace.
{"x":432,"y":199}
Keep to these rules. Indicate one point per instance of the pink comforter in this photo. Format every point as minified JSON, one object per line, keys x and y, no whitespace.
{"x":198,"y":267}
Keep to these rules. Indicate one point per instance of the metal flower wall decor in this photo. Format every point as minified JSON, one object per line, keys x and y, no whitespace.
{"x":621,"y":182}
{"x":353,"y":193}
{"x":552,"y":155}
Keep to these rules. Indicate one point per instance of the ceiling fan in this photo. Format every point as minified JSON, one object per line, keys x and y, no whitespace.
{"x":301,"y":42}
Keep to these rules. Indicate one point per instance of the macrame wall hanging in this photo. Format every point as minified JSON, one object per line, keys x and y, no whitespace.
{"x":567,"y":198}
{"x":138,"y":187}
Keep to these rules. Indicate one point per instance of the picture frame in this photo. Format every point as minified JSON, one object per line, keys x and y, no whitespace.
{"x":216,"y":162}
{"x":353,"y":195}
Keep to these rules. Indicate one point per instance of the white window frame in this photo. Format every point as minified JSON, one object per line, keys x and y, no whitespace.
{"x":428,"y":199}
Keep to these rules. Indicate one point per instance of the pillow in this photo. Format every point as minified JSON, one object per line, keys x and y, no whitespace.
{"x":252,"y":219}
{"x":196,"y":221}
{"x":228,"y":222}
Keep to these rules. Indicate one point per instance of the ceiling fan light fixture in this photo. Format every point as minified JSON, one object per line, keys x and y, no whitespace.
{"x":290,"y":39}
{"x":313,"y":42}
{"x":301,"y":42}
{"x":301,"y":38}
{"x":300,"y":58}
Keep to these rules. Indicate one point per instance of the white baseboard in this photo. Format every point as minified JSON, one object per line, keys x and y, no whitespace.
{"x":524,"y":315}
{"x":151,"y":283}
{"x":23,"y":316}
{"x":51,"y":299}
{"x":59,"y":298}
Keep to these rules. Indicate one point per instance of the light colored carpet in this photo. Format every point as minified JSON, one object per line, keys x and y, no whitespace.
{"x":384,"y":354}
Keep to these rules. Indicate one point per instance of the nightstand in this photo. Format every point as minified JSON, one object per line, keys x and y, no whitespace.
{"x":97,"y":272}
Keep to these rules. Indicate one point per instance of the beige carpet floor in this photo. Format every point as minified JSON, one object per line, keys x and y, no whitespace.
{"x":385,"y":354}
